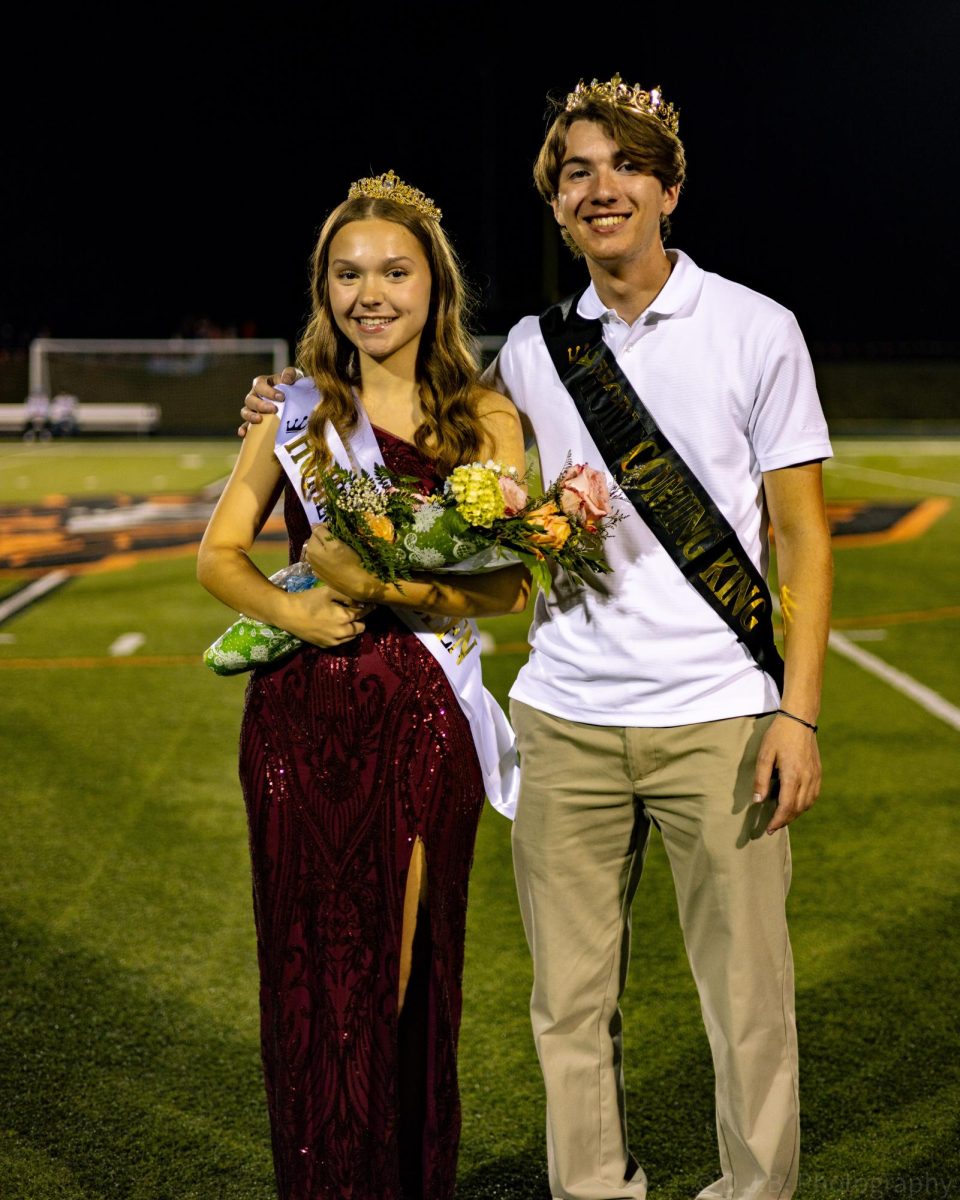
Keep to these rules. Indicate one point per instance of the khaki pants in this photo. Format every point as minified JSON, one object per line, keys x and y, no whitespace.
{"x":588,"y":796}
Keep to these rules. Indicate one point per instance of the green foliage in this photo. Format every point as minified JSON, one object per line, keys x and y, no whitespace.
{"x":128,"y":1001}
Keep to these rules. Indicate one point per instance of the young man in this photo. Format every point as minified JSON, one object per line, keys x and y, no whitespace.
{"x":646,"y":702}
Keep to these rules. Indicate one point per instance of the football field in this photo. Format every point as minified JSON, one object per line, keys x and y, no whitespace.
{"x":129,"y":1053}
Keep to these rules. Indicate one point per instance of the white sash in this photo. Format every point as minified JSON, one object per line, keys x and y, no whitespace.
{"x":452,"y":641}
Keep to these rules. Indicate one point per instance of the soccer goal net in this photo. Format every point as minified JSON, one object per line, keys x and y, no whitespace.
{"x":194,"y":385}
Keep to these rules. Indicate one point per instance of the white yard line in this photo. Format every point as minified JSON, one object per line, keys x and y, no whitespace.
{"x":878,"y":447}
{"x":907,"y":686}
{"x":125,"y":644}
{"x":211,"y":491}
{"x":916,"y":483}
{"x":33,"y":591}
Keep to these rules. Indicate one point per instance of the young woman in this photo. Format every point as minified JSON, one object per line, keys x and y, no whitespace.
{"x":360,"y":774}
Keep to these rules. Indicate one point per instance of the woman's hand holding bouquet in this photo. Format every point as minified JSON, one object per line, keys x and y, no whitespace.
{"x":378,"y":529}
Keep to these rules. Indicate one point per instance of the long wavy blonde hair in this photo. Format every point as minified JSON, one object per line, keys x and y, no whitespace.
{"x":446,"y":364}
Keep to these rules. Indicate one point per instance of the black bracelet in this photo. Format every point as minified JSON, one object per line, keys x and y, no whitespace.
{"x":782,"y":712}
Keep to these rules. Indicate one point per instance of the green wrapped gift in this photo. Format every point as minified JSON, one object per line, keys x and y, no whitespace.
{"x":249,"y":643}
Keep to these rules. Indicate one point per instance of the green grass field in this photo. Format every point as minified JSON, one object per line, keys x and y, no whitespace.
{"x":129,"y":1051}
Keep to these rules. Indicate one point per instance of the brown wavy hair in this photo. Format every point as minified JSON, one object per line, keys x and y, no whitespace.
{"x":447,"y":366}
{"x":647,"y":143}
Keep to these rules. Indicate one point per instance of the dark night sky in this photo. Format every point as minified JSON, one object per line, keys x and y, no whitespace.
{"x":182,"y":164}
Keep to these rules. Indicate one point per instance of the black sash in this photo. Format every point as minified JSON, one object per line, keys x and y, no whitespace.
{"x":659,"y":484}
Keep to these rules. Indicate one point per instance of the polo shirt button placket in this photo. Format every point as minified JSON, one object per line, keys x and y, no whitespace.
{"x":636,"y":334}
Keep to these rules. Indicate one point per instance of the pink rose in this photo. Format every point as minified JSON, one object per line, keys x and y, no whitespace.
{"x":514,"y":496}
{"x":584,"y":496}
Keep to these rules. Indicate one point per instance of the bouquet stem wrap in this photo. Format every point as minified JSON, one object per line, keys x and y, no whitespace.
{"x":249,"y":643}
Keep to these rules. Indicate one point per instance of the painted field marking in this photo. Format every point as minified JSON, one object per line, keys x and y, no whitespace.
{"x":126,"y":643}
{"x":898,"y":447}
{"x":33,"y":591}
{"x":926,"y":697}
{"x":944,"y":613}
{"x":10,"y":454}
{"x":213,"y":491}
{"x":916,"y":483}
{"x":91,"y":661}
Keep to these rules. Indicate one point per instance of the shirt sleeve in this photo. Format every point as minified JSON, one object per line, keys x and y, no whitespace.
{"x":507,"y":372}
{"x":786,"y":423}
{"x":492,"y":376}
{"x":503,"y":374}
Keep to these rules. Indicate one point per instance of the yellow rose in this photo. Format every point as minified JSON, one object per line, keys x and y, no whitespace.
{"x":556,"y":528}
{"x":380,"y":526}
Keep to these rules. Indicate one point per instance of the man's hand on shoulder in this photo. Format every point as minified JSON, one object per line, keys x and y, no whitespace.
{"x":263,"y":398}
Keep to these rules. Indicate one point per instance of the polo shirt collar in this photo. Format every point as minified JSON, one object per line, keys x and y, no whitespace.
{"x":681,"y":288}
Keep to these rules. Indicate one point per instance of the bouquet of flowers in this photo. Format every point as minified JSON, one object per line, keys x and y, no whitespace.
{"x":482,"y":520}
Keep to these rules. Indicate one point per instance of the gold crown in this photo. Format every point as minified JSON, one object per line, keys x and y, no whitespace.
{"x":615,"y":91}
{"x":388,"y":187}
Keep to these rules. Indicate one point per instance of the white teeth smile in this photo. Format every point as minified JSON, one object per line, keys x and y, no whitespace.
{"x":607,"y":222}
{"x":373,"y":322}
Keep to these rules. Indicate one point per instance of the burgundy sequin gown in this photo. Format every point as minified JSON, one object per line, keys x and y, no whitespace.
{"x":346,"y":757}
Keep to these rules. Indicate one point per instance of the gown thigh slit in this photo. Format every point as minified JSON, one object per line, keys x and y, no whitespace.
{"x":347,"y":757}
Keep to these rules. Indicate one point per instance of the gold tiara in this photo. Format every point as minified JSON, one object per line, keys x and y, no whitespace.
{"x":615,"y":91}
{"x":388,"y":187}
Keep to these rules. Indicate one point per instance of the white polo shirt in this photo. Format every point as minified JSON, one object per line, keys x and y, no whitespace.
{"x":726,"y":374}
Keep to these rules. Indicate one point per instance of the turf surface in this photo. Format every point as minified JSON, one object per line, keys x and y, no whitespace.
{"x":128,"y":1039}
